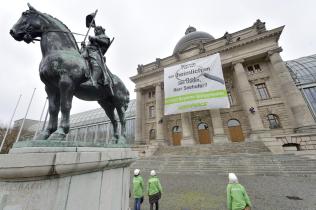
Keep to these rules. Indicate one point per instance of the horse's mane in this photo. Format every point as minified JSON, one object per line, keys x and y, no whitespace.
{"x":62,"y":27}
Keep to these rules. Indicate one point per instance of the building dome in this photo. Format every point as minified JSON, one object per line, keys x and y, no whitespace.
{"x":192,"y":37}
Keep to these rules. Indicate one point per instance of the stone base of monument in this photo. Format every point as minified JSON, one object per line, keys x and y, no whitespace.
{"x":65,"y":177}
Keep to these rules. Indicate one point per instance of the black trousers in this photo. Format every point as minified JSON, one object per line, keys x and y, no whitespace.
{"x":152,"y":206}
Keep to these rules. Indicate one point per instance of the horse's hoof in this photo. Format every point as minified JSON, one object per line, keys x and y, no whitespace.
{"x":57,"y":136}
{"x":121,"y":140}
{"x":42,"y":135}
{"x":113,"y":141}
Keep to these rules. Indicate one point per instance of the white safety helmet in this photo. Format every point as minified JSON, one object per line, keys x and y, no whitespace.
{"x":232,"y":178}
{"x":152,"y":173}
{"x":136,"y":172}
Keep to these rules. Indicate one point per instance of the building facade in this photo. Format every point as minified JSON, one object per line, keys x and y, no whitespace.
{"x":265,"y":102}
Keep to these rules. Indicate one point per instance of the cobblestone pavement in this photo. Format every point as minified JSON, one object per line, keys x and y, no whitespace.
{"x":208,"y":192}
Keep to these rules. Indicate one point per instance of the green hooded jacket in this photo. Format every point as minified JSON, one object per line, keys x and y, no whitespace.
{"x":237,"y":198}
{"x":154,"y":185}
{"x":138,"y":186}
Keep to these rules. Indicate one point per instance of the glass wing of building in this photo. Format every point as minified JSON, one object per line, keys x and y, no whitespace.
{"x":303,"y":72}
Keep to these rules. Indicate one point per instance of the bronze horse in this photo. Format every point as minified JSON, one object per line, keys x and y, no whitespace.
{"x":62,"y":70}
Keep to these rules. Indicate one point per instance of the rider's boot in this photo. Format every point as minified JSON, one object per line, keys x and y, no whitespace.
{"x":93,"y":81}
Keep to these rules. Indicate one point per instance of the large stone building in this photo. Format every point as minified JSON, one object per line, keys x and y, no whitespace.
{"x":265,"y":102}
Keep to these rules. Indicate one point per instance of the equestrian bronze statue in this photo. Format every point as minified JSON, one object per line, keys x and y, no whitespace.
{"x":68,"y":71}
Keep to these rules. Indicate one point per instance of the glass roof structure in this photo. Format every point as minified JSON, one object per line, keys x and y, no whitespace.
{"x":98,"y":115}
{"x":303,"y":70}
{"x":93,"y":116}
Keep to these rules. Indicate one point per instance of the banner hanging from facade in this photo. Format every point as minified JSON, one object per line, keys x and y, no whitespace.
{"x":195,"y":85}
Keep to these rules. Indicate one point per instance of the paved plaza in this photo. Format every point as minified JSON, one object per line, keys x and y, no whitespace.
{"x":208,"y":192}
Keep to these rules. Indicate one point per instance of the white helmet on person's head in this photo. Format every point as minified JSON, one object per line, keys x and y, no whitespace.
{"x":152,"y":173}
{"x":136,"y":172}
{"x":232,"y":178}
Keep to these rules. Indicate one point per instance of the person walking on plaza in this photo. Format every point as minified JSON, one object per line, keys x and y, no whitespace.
{"x":138,"y":189}
{"x":154,"y":190}
{"x":237,"y":198}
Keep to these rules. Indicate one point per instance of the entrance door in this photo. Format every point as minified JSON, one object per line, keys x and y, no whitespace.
{"x":176,"y":135}
{"x":204,"y":136}
{"x":235,"y":131}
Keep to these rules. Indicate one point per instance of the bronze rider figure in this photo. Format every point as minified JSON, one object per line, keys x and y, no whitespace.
{"x":94,"y":53}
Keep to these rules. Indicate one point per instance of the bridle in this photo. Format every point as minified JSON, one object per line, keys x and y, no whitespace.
{"x":29,"y":29}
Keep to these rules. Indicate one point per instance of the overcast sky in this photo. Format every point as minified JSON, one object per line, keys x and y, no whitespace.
{"x":144,"y":30}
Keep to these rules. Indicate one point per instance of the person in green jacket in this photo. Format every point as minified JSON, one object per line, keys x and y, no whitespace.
{"x":138,"y":189}
{"x":154,"y":190}
{"x":237,"y":198}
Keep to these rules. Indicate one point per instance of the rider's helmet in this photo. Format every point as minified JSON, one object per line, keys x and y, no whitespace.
{"x":99,"y":30}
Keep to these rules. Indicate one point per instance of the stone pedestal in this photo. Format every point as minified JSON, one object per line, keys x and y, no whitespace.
{"x":220,"y":138}
{"x":65,"y":178}
{"x":269,"y":141}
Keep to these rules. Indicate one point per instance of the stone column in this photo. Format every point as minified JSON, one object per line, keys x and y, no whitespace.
{"x":247,"y":97}
{"x":294,"y":98}
{"x":218,"y":128}
{"x":187,"y":133}
{"x":139,"y":118}
{"x":160,"y":139}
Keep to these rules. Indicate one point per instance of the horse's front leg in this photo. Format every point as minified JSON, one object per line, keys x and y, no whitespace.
{"x":53,"y":109}
{"x":66,"y":91}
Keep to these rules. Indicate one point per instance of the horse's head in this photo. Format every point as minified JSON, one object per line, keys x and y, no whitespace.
{"x":29,"y":26}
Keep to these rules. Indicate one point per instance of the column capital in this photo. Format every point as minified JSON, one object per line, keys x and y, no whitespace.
{"x":238,"y":61}
{"x":160,"y":83}
{"x":157,"y":84}
{"x":276,"y":50}
{"x":138,"y":89}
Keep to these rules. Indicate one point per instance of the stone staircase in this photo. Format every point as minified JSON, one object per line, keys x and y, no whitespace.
{"x":248,"y":158}
{"x":144,"y":150}
{"x":213,"y":149}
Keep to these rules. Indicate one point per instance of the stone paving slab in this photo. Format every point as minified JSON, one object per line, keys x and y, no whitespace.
{"x":208,"y":192}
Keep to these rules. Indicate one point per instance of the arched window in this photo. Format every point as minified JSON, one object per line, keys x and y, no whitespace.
{"x":176,"y":135}
{"x":176,"y":129}
{"x":235,"y":130}
{"x":233,"y":123}
{"x":203,"y":133}
{"x":152,"y":134}
{"x":202,"y":126}
{"x":290,"y":147}
{"x":273,"y":121}
{"x":151,"y":113}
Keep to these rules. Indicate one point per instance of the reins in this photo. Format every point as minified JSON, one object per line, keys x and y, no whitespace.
{"x":69,"y":32}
